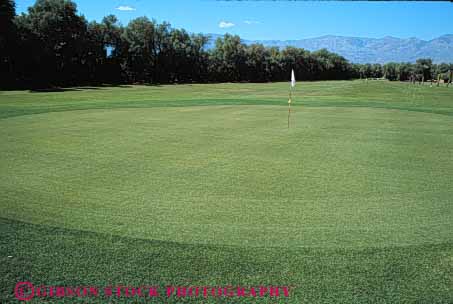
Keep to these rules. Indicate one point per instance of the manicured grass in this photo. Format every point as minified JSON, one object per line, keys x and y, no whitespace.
{"x":205,"y":185}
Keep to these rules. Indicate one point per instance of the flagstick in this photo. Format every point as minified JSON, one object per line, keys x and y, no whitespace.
{"x":293,"y":82}
{"x":289,"y":106}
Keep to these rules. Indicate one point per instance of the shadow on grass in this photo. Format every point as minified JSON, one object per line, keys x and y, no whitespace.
{"x":54,"y":256}
{"x":76,"y":89}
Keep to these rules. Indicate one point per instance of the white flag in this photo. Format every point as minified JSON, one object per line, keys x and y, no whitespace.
{"x":293,"y":79}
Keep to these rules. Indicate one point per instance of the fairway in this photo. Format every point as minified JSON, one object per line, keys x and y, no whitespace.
{"x":130,"y":181}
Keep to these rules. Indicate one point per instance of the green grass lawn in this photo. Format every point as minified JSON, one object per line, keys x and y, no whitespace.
{"x":204,"y":185}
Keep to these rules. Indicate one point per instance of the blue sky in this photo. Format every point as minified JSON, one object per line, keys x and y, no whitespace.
{"x":282,"y":20}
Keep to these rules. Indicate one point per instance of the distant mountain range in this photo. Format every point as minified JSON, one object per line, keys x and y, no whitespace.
{"x":370,"y":50}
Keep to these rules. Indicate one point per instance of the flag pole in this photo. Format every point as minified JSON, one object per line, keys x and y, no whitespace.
{"x":293,"y":83}
{"x":289,"y":105}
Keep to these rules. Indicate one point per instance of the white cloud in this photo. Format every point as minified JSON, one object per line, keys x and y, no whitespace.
{"x":225,"y":24}
{"x":125,"y":8}
{"x":251,"y":22}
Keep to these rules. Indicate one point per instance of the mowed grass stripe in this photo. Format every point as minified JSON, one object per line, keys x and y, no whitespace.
{"x":376,"y":94}
{"x":45,"y":255}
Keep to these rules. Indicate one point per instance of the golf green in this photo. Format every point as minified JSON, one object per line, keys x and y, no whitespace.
{"x":348,"y":177}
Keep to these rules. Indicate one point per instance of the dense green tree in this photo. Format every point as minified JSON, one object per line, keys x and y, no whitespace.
{"x":391,"y":71}
{"x":423,"y":68}
{"x":228,"y":59}
{"x":274,"y":65}
{"x":405,"y":71}
{"x":140,"y":51}
{"x":8,"y":40}
{"x":257,"y":61}
{"x":58,"y":36}
{"x":199,"y":58}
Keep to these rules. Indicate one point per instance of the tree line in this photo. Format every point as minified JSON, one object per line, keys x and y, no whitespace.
{"x":52,"y":45}
{"x":422,"y":70}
